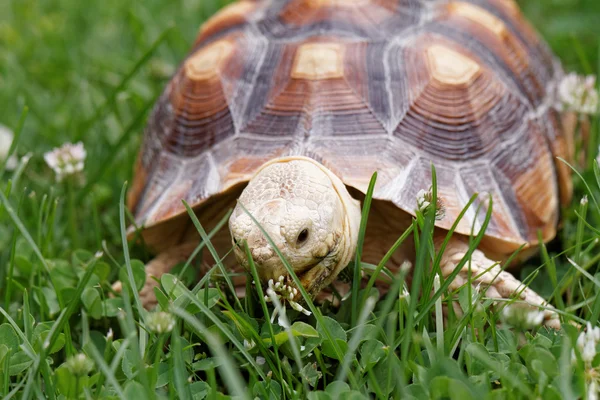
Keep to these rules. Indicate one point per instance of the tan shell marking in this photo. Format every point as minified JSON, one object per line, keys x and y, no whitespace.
{"x":480,"y":16}
{"x":450,"y":67}
{"x":318,"y":61}
{"x":207,"y":62}
{"x":512,"y":6}
{"x":233,"y":11}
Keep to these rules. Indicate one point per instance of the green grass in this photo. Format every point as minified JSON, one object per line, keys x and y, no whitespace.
{"x":90,"y":71}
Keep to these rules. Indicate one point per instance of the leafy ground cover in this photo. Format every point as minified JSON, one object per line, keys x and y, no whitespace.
{"x":89,"y":71}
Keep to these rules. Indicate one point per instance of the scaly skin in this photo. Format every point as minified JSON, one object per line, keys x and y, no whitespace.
{"x":308,"y":213}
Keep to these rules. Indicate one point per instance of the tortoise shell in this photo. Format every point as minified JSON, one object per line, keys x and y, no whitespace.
{"x":363,"y":86}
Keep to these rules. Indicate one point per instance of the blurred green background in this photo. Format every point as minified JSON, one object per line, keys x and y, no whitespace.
{"x":88,"y":71}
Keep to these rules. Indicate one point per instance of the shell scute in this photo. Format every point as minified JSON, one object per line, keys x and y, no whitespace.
{"x":528,"y":166}
{"x":456,"y":109}
{"x":231,"y":17}
{"x":539,"y":54}
{"x":317,"y":88}
{"x":496,"y":39}
{"x":391,"y":86}
{"x":359,"y":19}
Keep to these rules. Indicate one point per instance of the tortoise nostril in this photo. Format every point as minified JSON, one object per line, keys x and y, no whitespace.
{"x":261,"y":255}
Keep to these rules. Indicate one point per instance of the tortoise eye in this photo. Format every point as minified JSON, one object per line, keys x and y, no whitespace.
{"x":302,"y":237}
{"x":237,"y":242}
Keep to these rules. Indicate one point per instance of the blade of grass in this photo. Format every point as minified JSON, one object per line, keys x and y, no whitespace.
{"x":384,"y":261}
{"x":18,"y":172}
{"x":580,"y":229}
{"x":11,"y":268}
{"x":128,"y":325}
{"x":107,"y":372}
{"x":291,"y":338}
{"x":202,"y":244}
{"x":316,"y":312}
{"x":551,"y":268}
{"x":581,"y":54}
{"x":61,"y":322}
{"x":584,"y":272}
{"x":109,"y":104}
{"x":263,"y":304}
{"x":21,"y":227}
{"x":587,"y":187}
{"x":231,"y":375}
{"x":125,"y":245}
{"x":179,"y":369}
{"x":423,"y":252}
{"x":439,"y":319}
{"x":355,"y":340}
{"x":446,"y":284}
{"x":212,"y":251}
{"x":27,"y":345}
{"x":113,"y":151}
{"x":504,"y":373}
{"x":223,"y":328}
{"x":566,"y":371}
{"x":359,"y":248}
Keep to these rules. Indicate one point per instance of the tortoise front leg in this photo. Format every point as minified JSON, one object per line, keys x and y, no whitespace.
{"x":162,"y":264}
{"x":489,"y":275}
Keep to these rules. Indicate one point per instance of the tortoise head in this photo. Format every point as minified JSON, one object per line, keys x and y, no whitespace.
{"x":308,"y":214}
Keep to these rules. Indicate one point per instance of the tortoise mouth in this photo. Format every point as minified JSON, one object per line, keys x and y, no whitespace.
{"x":310,"y":276}
{"x":306,"y":269}
{"x":313,"y":276}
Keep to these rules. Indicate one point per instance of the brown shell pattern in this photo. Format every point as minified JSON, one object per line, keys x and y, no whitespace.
{"x":362,"y":86}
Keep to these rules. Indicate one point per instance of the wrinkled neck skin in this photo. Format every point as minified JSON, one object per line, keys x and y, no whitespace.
{"x":309,"y":215}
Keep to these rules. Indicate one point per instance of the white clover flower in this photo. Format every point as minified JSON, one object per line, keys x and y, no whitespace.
{"x":593,"y":390}
{"x":523,"y":316}
{"x":284,"y":293}
{"x":299,"y":308}
{"x":282,"y":320}
{"x":6,"y":139}
{"x":535,"y":318}
{"x":260,"y":360}
{"x":586,"y":344}
{"x":578,"y":93}
{"x":406,"y":267}
{"x":584,"y":200}
{"x":249,"y":344}
{"x":160,"y":322}
{"x":422,"y":203}
{"x":79,"y":365}
{"x":475,"y":294}
{"x":405,"y":294}
{"x":66,"y":160}
{"x":424,"y":199}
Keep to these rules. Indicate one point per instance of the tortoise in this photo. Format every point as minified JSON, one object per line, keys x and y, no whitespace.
{"x":286,"y":108}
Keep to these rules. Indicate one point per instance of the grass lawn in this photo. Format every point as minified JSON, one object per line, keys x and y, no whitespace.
{"x":89,"y":71}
